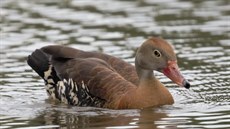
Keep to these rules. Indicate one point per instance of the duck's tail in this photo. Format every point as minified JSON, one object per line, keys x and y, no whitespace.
{"x":39,"y":62}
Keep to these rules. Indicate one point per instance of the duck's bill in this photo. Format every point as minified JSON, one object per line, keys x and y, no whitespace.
{"x":173,"y":73}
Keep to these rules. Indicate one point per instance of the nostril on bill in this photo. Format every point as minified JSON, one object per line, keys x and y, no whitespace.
{"x":186,"y":84}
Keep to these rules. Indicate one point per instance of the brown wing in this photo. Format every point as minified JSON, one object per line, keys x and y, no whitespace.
{"x":124,"y":69}
{"x":101,"y":79}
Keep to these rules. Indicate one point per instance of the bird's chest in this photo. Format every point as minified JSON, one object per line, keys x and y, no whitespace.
{"x":147,"y":97}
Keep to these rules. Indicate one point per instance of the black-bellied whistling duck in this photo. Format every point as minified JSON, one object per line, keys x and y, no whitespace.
{"x":96,"y":79}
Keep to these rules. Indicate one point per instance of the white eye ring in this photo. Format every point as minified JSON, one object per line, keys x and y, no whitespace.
{"x":157,"y":53}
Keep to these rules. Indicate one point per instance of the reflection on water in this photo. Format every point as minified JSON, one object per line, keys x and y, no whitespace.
{"x":199,"y":31}
{"x":86,"y":118}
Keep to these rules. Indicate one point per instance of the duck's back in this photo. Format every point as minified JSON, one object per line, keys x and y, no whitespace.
{"x":126,"y":70}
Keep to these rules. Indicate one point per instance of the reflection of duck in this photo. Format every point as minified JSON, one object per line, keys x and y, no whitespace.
{"x":99,"y":118}
{"x":95,"y":79}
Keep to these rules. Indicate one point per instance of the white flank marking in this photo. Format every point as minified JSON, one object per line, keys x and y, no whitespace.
{"x":72,"y":84}
{"x":76,"y":87}
{"x":53,"y":95}
{"x":50,"y":80}
{"x":65,"y":81}
{"x":48,"y":72}
{"x":69,"y":81}
{"x":83,"y":85}
{"x":48,"y":86}
{"x":75,"y":99}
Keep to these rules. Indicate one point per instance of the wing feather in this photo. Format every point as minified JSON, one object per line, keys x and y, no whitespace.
{"x":101,"y":79}
{"x":124,"y":69}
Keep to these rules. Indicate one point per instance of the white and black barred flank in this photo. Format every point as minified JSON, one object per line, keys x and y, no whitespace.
{"x":69,"y":92}
{"x":77,"y":94}
{"x":51,"y":81}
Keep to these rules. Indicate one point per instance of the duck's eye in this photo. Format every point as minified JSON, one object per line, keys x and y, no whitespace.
{"x":157,"y":53}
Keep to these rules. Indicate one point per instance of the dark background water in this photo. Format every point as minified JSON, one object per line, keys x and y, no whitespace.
{"x":198,"y":29}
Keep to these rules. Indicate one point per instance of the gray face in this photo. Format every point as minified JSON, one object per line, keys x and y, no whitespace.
{"x":154,"y":54}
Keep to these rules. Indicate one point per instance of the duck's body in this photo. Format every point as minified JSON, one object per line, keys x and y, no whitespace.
{"x":95,"y":79}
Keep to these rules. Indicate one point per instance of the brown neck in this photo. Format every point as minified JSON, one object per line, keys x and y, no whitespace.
{"x":143,"y":74}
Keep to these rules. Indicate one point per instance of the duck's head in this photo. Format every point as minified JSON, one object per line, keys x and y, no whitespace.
{"x":157,"y":54}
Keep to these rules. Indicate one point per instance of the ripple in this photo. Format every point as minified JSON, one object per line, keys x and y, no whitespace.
{"x":84,"y":47}
{"x":198,"y":31}
{"x":225,"y":42}
{"x":86,"y":39}
{"x":111,"y":35}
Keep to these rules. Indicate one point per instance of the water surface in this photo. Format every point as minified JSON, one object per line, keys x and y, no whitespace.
{"x":199,"y":31}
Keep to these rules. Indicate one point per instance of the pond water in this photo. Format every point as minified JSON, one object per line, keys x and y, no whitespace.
{"x":199,"y":31}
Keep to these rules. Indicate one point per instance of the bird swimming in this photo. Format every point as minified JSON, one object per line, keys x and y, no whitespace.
{"x":95,"y":79}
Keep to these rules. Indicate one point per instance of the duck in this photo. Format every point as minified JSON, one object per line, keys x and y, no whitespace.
{"x":95,"y":79}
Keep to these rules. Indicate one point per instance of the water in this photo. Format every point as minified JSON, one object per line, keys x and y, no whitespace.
{"x":199,"y":31}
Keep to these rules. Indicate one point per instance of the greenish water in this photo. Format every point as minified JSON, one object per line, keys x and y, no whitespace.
{"x":199,"y":31}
